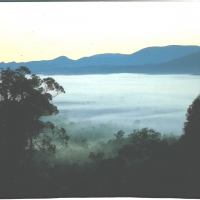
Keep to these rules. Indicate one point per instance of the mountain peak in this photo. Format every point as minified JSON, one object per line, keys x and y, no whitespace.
{"x":62,"y":58}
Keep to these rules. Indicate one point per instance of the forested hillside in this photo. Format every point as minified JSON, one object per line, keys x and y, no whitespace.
{"x":39,"y":159}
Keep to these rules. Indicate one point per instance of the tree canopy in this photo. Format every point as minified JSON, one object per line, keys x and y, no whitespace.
{"x":24,"y":99}
{"x":192,"y":126}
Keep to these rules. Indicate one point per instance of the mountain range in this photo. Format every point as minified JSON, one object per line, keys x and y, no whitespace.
{"x":173,"y":59}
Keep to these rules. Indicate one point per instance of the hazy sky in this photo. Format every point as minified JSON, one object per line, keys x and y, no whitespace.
{"x":41,"y":31}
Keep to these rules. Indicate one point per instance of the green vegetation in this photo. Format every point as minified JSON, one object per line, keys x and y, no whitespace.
{"x":24,"y":99}
{"x":33,"y":162}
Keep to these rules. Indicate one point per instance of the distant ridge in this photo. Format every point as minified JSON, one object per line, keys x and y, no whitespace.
{"x":189,"y":64}
{"x":169,"y":59}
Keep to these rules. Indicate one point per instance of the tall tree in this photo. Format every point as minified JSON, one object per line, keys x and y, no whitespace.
{"x":190,"y":140}
{"x":192,"y":125}
{"x":24,"y":99}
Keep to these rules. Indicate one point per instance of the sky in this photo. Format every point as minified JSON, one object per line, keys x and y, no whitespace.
{"x":46,"y":30}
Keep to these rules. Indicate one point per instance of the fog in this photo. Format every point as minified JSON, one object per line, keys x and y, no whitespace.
{"x":104,"y":104}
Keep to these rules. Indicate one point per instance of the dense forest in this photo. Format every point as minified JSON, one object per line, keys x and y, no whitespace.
{"x":39,"y":159}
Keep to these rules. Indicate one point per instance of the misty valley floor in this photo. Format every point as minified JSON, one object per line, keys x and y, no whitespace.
{"x":127,"y":101}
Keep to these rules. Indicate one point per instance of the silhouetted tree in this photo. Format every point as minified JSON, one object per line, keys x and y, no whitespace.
{"x":24,"y":99}
{"x":189,"y":144}
{"x":98,"y":157}
{"x":192,"y":126}
{"x":119,"y":135}
{"x":142,"y":143}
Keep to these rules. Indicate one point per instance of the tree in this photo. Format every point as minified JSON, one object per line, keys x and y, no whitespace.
{"x":119,"y":135}
{"x":192,"y":126}
{"x":24,"y":99}
{"x":143,"y":144}
{"x":96,"y":157}
{"x":190,"y":140}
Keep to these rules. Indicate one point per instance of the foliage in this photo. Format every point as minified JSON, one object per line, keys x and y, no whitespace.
{"x":192,"y":126}
{"x":96,"y":157}
{"x":190,"y":140}
{"x":119,"y":135}
{"x":141,"y":164}
{"x":24,"y":99}
{"x":142,"y":142}
{"x":46,"y":140}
